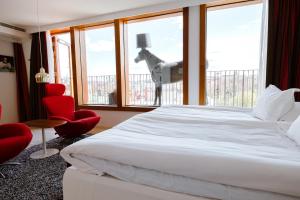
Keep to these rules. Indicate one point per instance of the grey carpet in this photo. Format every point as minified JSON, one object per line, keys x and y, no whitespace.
{"x":35,"y":179}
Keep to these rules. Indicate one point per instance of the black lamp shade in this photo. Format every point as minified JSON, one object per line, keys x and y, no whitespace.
{"x":143,"y":40}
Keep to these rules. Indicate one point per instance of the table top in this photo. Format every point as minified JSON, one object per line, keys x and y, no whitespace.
{"x":45,"y":123}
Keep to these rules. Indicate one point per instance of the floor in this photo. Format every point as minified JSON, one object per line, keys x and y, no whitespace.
{"x":39,"y":179}
{"x":50,"y":134}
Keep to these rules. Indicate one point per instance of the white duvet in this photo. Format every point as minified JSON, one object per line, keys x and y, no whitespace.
{"x":218,"y":146}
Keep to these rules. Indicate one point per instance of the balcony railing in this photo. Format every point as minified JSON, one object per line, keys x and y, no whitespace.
{"x":99,"y":88}
{"x":141,"y":90}
{"x":236,"y":88}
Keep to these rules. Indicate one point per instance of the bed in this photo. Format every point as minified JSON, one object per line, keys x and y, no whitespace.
{"x":190,"y":152}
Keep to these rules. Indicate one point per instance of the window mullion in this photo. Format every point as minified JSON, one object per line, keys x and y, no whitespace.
{"x":76,"y":70}
{"x":120,"y":72}
{"x":202,"y":71}
{"x":185,"y":55}
{"x":84,"y":76}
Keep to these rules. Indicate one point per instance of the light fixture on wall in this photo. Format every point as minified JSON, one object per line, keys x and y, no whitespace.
{"x":42,"y":76}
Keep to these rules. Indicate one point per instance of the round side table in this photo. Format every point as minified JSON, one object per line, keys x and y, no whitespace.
{"x":44,"y":123}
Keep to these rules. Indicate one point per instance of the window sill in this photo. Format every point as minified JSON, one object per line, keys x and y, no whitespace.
{"x":115,"y":108}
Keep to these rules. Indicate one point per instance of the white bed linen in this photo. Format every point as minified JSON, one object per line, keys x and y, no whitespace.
{"x":78,"y":185}
{"x":224,"y":147}
{"x":180,"y":184}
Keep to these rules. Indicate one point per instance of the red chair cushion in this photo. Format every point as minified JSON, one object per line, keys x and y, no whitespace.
{"x":14,"y":138}
{"x":60,"y":106}
{"x":78,"y":127}
{"x":55,"y":89}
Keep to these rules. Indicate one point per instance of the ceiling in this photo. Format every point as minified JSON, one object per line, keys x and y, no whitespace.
{"x":22,"y":13}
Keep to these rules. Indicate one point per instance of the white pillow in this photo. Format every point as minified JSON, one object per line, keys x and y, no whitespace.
{"x":274,"y":103}
{"x":259,"y":109}
{"x":294,"y":131}
{"x":292,"y":114}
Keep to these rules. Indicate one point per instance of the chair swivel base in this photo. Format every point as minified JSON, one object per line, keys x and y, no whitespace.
{"x":44,"y":154}
{"x":8,"y":163}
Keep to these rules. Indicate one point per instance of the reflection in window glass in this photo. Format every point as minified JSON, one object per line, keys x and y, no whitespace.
{"x":63,"y":61}
{"x":233,"y":49}
{"x":100,"y":74}
{"x":155,"y":52}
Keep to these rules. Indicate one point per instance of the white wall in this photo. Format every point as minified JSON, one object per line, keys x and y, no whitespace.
{"x":121,"y":14}
{"x":112,"y":118}
{"x":8,"y":87}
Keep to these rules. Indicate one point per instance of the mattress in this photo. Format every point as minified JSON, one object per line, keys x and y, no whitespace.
{"x":221,"y":147}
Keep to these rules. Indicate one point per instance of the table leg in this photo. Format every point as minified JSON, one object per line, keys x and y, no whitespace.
{"x":44,"y":141}
{"x":44,"y":153}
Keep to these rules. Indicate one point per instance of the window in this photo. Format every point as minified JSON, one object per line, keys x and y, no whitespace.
{"x":154,"y":70}
{"x":98,"y":65}
{"x":232,"y":55}
{"x":62,"y":60}
{"x":111,"y":72}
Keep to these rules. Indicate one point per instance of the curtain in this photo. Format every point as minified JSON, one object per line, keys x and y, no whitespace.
{"x":283,"y":60}
{"x":50,"y":56}
{"x":263,"y":49}
{"x":22,"y":83}
{"x":37,"y":91}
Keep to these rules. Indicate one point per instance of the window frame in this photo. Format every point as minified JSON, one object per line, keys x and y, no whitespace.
{"x":54,"y":39}
{"x":81,"y":74}
{"x":120,"y":51}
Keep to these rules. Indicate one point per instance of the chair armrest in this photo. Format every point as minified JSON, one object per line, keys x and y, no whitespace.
{"x":13,"y":129}
{"x":81,"y":114}
{"x":59,"y":118}
{"x":88,"y":121}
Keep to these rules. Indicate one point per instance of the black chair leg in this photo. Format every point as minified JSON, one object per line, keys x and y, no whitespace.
{"x":8,"y":163}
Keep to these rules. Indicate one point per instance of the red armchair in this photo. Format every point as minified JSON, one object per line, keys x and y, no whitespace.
{"x":14,"y":138}
{"x":62,"y":107}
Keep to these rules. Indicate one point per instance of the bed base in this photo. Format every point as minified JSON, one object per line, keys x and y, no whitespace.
{"x":78,"y":185}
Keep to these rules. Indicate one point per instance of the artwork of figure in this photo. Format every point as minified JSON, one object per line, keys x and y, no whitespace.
{"x":161,"y":72}
{"x":6,"y":64}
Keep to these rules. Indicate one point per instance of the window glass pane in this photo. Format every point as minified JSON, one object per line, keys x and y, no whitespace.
{"x":154,"y":65}
{"x":99,"y":79}
{"x":233,"y":49}
{"x":63,"y":62}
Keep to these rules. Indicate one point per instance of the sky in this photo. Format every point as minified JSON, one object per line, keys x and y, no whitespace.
{"x":233,"y":37}
{"x":166,"y":39}
{"x":233,"y":41}
{"x":100,"y":51}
